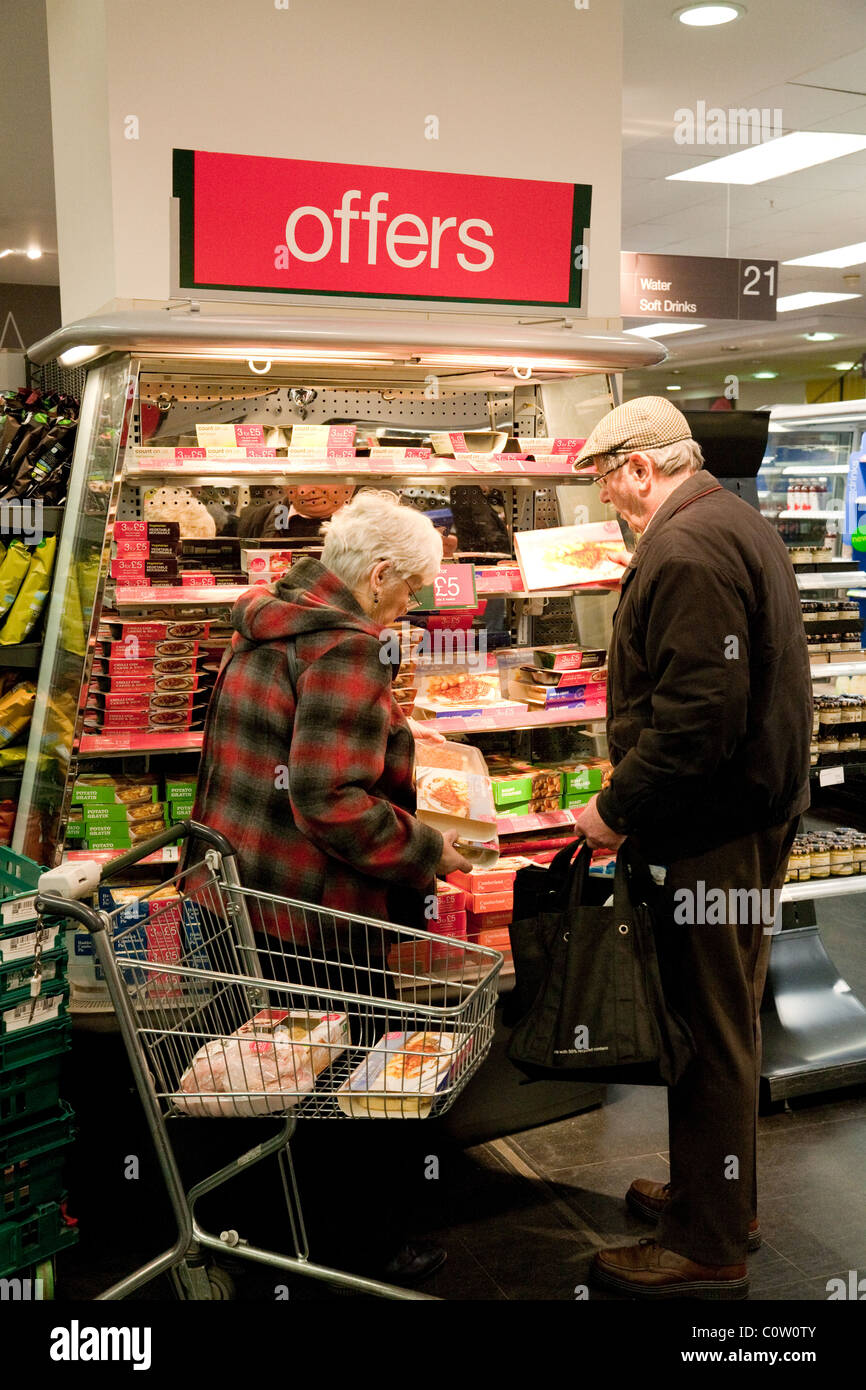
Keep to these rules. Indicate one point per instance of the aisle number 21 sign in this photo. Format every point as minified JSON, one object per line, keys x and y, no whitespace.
{"x":453,"y":587}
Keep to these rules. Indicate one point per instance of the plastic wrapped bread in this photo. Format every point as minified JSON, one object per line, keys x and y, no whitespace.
{"x":276,"y":1056}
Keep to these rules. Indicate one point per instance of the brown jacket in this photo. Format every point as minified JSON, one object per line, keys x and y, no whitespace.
{"x":709,"y":692}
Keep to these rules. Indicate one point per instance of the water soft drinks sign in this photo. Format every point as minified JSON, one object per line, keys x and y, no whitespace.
{"x":257,"y":224}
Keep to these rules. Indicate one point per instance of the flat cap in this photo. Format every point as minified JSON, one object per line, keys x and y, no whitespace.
{"x":647,"y":422}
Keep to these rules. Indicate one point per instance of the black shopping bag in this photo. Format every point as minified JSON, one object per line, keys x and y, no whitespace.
{"x":589,"y":1001}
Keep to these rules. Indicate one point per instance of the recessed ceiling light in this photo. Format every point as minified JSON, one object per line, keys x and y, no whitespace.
{"x":765,"y":376}
{"x":809,"y":299}
{"x":841,"y":366}
{"x":664,"y":329}
{"x":673,"y":388}
{"x":843,"y":256}
{"x":821,"y":337}
{"x":774,"y":158}
{"x":703,"y":16}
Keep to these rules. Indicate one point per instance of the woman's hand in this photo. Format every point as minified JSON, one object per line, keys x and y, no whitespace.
{"x":425,"y":730}
{"x":452,"y":860}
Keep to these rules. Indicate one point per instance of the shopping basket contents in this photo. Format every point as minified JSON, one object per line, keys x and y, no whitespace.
{"x":278,"y":1053}
{"x":234,"y":1002}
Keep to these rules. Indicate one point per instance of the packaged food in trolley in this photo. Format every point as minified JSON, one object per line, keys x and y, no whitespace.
{"x":264,"y":1066}
{"x":401,"y":1076}
{"x":454,"y":793}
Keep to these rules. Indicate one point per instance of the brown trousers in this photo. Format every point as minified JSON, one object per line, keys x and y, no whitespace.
{"x":717,"y":975}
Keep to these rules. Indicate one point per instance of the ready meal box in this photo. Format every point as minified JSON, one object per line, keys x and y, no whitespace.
{"x":562,"y":557}
{"x":453,"y":793}
{"x":401,"y":1076}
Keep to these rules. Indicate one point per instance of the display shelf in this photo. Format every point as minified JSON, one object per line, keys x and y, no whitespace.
{"x":25,"y":655}
{"x":824,"y":670}
{"x":816,"y":515}
{"x":134,"y":595}
{"x":10,"y":787}
{"x":520,"y":719}
{"x":110,"y":745}
{"x":823,"y":888}
{"x":541,"y":820}
{"x":830,"y":580}
{"x":806,"y":470}
{"x":352,"y":474}
{"x":169,"y":854}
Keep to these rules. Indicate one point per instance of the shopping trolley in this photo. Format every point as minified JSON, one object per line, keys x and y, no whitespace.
{"x":234,"y":1002}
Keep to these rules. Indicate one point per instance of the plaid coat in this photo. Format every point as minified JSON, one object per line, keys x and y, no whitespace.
{"x":315,"y":795}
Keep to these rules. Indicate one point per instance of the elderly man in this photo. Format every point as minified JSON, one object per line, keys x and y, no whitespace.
{"x":709,"y":724}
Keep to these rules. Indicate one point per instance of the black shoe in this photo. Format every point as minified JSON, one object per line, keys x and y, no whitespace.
{"x":416,"y":1260}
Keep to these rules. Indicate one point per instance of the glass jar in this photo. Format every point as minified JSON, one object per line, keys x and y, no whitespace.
{"x":820,"y":858}
{"x":841,"y":859}
{"x":799,"y":864}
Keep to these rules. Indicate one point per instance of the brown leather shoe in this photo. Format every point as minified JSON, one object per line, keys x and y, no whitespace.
{"x":647,"y":1270}
{"x":648,"y":1199}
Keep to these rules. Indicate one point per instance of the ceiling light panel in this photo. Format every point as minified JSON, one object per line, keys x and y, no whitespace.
{"x":773,"y":159}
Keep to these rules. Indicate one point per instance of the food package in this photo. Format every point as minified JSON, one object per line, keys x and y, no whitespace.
{"x":457,"y":688}
{"x":12,"y":758}
{"x":8,"y":810}
{"x":453,"y":791}
{"x":16,"y":563}
{"x":562,"y":659}
{"x":571,"y":556}
{"x":177,"y":504}
{"x":277,"y":1055}
{"x":16,"y":710}
{"x":130,"y":790}
{"x":32,"y":594}
{"x":401,"y":1075}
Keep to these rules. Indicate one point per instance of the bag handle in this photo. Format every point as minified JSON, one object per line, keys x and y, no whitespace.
{"x":633,"y":883}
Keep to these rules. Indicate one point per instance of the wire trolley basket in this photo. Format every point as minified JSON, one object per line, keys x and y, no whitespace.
{"x":238,"y":1003}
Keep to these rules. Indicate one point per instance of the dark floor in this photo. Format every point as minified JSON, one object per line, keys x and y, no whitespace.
{"x":521,"y":1215}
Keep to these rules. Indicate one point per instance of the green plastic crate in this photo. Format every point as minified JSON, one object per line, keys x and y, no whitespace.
{"x":17,"y":1049}
{"x":31,"y":1163}
{"x":15,"y":975}
{"x":52,"y":1006}
{"x":34,"y":1236}
{"x":27,"y":1091}
{"x":18,"y":874}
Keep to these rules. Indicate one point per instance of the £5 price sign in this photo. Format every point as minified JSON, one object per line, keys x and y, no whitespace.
{"x":453,"y":587}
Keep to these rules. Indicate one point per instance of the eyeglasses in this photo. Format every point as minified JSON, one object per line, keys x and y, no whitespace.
{"x":415,"y":602}
{"x":602,"y":477}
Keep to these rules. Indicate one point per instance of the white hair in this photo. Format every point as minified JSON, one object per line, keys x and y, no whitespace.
{"x":376,"y":526}
{"x":685,"y":456}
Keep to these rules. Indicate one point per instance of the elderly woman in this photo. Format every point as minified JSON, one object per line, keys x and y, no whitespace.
{"x":307,"y":764}
{"x":307,"y":770}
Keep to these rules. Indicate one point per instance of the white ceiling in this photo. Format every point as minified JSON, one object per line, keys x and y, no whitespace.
{"x":808,"y":59}
{"x":27,"y":214}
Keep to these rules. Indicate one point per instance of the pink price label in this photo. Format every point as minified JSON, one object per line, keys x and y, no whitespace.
{"x":249,"y":434}
{"x":181,"y":454}
{"x":568,"y":446}
{"x":341,"y":436}
{"x":454,"y":587}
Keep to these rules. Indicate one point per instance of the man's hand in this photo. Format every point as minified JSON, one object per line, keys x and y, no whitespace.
{"x":597,"y":835}
{"x":425,"y":729}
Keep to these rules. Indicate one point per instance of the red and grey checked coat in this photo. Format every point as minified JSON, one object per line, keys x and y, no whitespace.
{"x":316,"y":796}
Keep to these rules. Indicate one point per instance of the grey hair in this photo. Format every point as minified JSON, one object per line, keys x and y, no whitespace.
{"x":376,"y":526}
{"x":686,"y":456}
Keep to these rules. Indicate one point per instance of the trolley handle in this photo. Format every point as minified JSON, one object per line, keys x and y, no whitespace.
{"x":187,"y":829}
{"x":50,"y":905}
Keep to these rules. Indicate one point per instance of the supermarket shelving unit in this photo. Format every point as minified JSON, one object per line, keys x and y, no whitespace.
{"x":813,"y":1025}
{"x":411,"y":376}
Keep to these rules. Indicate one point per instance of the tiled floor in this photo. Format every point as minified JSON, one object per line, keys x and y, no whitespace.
{"x":522,"y":1215}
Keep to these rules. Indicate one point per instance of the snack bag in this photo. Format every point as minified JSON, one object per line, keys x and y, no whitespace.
{"x":16,"y":710}
{"x":32,"y":594}
{"x":13,"y":757}
{"x":16,"y":563}
{"x":71,"y":618}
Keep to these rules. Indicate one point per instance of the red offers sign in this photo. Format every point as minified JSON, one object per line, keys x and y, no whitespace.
{"x":293,"y":226}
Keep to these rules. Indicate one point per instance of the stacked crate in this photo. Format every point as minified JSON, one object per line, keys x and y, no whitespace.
{"x":36,"y":1126}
